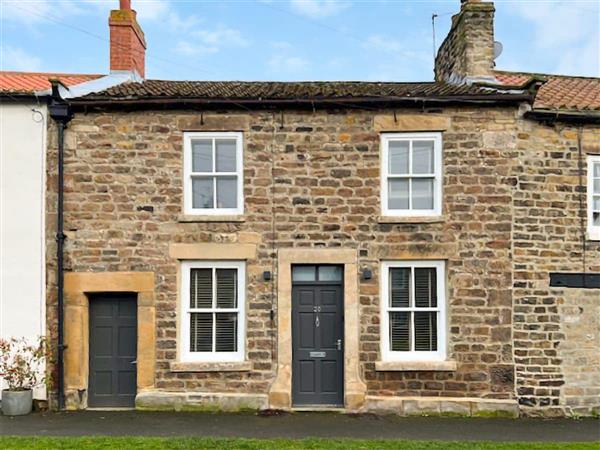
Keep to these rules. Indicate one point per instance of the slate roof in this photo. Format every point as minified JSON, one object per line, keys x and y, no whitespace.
{"x":27,"y":83}
{"x":559,"y":92}
{"x":265,"y":91}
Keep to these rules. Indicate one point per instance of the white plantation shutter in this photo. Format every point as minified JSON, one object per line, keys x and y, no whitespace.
{"x":425,"y":324}
{"x":226,"y":288}
{"x":400,"y":287}
{"x":400,"y":331}
{"x":213,"y":318}
{"x":201,"y":288}
{"x":201,"y":329}
{"x":412,"y":309}
{"x":226,"y":332}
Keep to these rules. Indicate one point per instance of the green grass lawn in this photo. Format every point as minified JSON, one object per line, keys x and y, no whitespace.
{"x":23,"y":443}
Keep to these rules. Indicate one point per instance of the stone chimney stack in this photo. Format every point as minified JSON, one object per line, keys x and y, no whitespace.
{"x":467,"y":53}
{"x":127,"y":42}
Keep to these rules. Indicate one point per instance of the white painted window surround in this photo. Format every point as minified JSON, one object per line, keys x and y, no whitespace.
{"x":213,"y":175}
{"x":411,"y":174}
{"x":212,"y":311}
{"x":413,"y":311}
{"x":593,"y":197}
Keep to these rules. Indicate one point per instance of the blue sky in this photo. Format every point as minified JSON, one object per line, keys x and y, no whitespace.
{"x":294,"y":39}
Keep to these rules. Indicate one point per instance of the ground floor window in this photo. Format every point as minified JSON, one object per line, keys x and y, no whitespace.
{"x":212,"y":311}
{"x":413,"y":323}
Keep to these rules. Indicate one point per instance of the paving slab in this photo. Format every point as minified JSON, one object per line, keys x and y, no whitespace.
{"x":298,"y":425}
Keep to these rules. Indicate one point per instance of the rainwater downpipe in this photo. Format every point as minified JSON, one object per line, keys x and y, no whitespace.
{"x":60,"y":111}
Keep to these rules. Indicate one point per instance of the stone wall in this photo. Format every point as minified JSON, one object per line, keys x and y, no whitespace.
{"x":549,"y":350}
{"x":312,"y":180}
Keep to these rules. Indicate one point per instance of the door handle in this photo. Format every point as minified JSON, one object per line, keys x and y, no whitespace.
{"x":134,"y":362}
{"x":339,"y":344}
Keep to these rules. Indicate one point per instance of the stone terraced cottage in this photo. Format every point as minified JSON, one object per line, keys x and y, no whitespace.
{"x":414,"y":248}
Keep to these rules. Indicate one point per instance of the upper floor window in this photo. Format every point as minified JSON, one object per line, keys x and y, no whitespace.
{"x":413,"y":311}
{"x":411,"y":174}
{"x":212,"y":311}
{"x":213,"y":173}
{"x":593,"y":194}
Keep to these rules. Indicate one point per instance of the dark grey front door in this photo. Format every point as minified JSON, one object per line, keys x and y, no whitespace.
{"x":113,"y":350}
{"x":317,"y":337}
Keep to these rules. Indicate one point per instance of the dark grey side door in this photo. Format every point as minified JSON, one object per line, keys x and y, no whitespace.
{"x":317,"y":344}
{"x":113,"y":350}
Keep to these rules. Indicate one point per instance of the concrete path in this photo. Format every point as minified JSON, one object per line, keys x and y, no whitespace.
{"x":297,"y":425}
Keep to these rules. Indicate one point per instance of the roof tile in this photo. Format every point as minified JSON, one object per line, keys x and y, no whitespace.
{"x":559,"y":92}
{"x":275,"y":90}
{"x":30,"y":82}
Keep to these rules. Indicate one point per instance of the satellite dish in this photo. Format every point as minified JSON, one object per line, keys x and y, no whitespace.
{"x":498,"y":47}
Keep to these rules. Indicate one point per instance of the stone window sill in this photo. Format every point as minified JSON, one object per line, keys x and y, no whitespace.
{"x":244,"y":366}
{"x":408,"y":366}
{"x":190,"y":218}
{"x":593,"y":235}
{"x":411,"y":220}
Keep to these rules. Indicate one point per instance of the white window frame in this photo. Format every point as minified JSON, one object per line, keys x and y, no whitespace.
{"x":412,"y":355}
{"x":592,"y":231}
{"x":184,"y":322}
{"x":188,"y":174}
{"x":386,"y":138}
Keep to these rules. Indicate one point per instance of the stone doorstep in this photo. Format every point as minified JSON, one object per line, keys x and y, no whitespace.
{"x":199,"y":401}
{"x":403,"y":406}
{"x":460,"y":406}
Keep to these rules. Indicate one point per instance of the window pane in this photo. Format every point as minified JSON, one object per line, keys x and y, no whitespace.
{"x":226,"y":155}
{"x":226,"y":329}
{"x":399,"y":287}
{"x":202,"y":192}
{"x":422,"y":157}
{"x":227,"y":192}
{"x":425,"y":331}
{"x":425,"y":288}
{"x":596,"y":203}
{"x":398,"y":157}
{"x":226,"y":288}
{"x":596,"y":219}
{"x":201,"y":332}
{"x":597,"y":186}
{"x":330,"y":273}
{"x":597,"y":170}
{"x":422,"y":193}
{"x":201,"y":288}
{"x":303,"y":273}
{"x":399,"y":331}
{"x":398,"y":194}
{"x":202,"y":155}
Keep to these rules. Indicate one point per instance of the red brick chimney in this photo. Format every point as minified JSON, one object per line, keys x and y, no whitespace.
{"x":127,"y":42}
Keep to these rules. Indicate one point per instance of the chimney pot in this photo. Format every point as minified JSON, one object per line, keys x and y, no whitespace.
{"x":124,"y":4}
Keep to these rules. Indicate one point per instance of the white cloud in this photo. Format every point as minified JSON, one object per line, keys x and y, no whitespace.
{"x":568,"y":31}
{"x":558,"y":23}
{"x":317,"y":9}
{"x":211,"y":41}
{"x":13,"y":58}
{"x":284,"y":62}
{"x":381,"y":43}
{"x":287,"y":64}
{"x":30,"y":12}
{"x":222,"y":37}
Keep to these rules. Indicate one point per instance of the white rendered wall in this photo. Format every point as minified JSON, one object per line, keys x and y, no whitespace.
{"x":22,"y":265}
